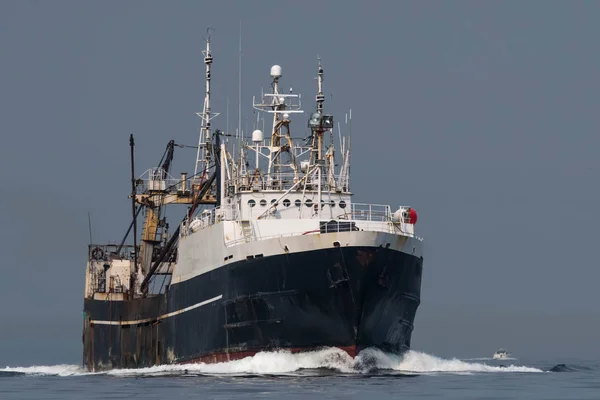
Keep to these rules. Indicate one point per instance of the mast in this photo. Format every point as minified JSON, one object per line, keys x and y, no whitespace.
{"x":320,"y":100}
{"x":203,"y":160}
{"x":278,"y":103}
{"x":281,"y":106}
{"x":320,"y":123}
{"x":133,"y":198}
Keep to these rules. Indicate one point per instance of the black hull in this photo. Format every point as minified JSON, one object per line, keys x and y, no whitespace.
{"x":347,"y":297}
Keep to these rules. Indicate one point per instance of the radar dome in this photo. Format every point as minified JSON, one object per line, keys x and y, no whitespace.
{"x":276,"y":71}
{"x":257,"y":136}
{"x":304,"y":165}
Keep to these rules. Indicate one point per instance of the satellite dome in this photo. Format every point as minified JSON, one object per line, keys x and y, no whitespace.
{"x":276,"y":71}
{"x":257,"y":136}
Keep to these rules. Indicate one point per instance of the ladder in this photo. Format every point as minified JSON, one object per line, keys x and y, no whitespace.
{"x":246,"y":230}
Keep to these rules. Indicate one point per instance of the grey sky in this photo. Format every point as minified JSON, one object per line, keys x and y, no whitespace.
{"x":481,"y":115}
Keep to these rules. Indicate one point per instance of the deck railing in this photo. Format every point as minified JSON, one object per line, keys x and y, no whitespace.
{"x":358,"y":216}
{"x":285,"y":181}
{"x":356,"y":212}
{"x":106,"y":252}
{"x":369,"y":212}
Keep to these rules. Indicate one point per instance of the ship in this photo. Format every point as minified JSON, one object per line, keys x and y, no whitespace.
{"x":269,"y":252}
{"x":500,"y":354}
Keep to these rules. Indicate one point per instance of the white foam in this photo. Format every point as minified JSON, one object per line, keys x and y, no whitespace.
{"x":284,"y":362}
{"x":278,"y":362}
{"x":57,"y":370}
{"x":415,"y":361}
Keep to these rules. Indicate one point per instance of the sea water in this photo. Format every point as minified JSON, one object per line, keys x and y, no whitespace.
{"x":326,"y":373}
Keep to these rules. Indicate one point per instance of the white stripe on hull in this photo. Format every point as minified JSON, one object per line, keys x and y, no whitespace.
{"x":171,"y":314}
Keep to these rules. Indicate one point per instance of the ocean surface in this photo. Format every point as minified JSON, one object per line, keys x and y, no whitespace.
{"x":327,"y":373}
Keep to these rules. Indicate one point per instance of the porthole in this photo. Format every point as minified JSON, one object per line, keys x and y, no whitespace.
{"x":286,"y":202}
{"x":298,"y":203}
{"x":263,"y":202}
{"x":332,"y":203}
{"x":308,"y":203}
{"x":273,"y":201}
{"x":342,"y":204}
{"x":251,"y":203}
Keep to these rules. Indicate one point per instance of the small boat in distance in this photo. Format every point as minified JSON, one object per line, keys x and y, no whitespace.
{"x":500,"y":354}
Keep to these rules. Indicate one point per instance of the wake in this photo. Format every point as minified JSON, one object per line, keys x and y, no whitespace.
{"x":369,"y":361}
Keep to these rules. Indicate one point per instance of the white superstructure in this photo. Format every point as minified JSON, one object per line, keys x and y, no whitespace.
{"x":280,"y":194}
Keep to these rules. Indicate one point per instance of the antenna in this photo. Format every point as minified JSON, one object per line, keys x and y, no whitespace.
{"x":349,"y":123}
{"x":320,"y":96}
{"x":349,"y":148}
{"x":90,"y":226}
{"x":240,"y":89}
{"x":340,"y":135}
{"x":239,"y":128}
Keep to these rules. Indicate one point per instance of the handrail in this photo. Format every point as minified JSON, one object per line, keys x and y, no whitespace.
{"x":391,"y":228}
{"x":355,"y":212}
{"x":283,"y":181}
{"x":104,"y":252}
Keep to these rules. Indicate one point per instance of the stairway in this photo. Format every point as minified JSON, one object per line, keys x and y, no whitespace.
{"x":247,"y":230}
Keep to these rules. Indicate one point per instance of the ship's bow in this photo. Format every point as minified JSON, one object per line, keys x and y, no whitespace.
{"x":351,"y":297}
